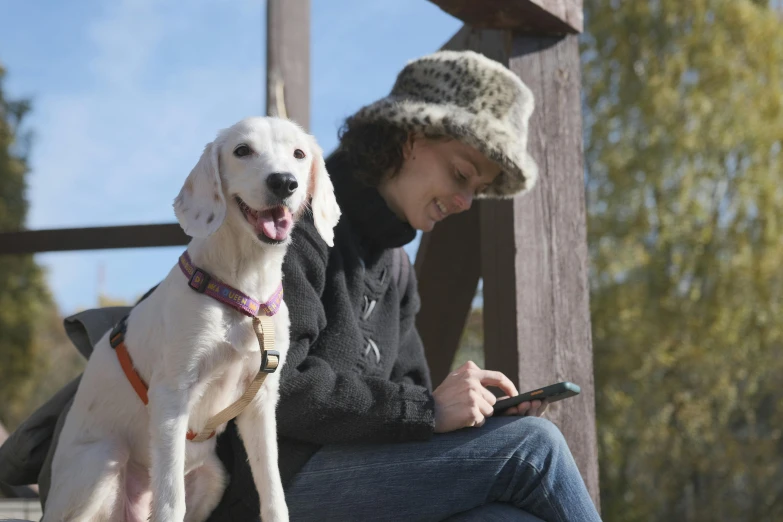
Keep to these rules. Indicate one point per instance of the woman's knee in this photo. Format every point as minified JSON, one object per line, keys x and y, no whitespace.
{"x":543,"y":430}
{"x":539,"y":436}
{"x":534,"y":452}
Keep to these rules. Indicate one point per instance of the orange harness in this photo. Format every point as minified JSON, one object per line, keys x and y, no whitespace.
{"x":203,"y":283}
{"x":117,"y":341}
{"x":269,"y":362}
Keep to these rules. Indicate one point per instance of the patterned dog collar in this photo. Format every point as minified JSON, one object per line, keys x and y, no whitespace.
{"x":203,"y":283}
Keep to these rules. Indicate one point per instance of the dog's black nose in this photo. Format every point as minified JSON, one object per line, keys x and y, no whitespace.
{"x":282,"y":184}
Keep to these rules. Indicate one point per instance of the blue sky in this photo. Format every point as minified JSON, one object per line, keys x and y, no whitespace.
{"x":125,"y":95}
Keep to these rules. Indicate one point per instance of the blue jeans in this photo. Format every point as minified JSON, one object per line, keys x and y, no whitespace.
{"x":512,"y":468}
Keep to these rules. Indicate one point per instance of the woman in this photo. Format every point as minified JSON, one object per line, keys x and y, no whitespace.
{"x":361,"y":435}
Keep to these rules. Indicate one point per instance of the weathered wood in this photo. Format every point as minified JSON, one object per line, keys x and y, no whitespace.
{"x":447,"y":269}
{"x":529,"y":16}
{"x":288,"y":60}
{"x":93,"y":238}
{"x":493,"y":44}
{"x":533,"y":252}
{"x":448,"y":260}
{"x":541,"y":304}
{"x":502,"y":349}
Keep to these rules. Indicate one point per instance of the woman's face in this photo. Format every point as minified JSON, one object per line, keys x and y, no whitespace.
{"x":437,"y":178}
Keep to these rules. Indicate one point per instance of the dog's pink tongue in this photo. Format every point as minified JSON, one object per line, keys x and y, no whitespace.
{"x":275,"y":223}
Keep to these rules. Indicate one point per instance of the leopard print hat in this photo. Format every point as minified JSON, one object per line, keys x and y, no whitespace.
{"x":466,"y":96}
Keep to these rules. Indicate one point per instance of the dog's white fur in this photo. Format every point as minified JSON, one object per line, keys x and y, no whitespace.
{"x":119,"y":460}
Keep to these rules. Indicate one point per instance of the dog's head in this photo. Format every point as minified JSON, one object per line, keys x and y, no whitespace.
{"x":262,"y":172}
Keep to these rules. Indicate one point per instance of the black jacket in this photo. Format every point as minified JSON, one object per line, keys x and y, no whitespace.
{"x":355,"y":370}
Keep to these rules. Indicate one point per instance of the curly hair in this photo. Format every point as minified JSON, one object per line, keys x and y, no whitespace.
{"x":374,"y":148}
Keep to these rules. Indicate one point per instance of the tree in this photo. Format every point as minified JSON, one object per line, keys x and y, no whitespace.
{"x":23,"y":295}
{"x":683,"y":133}
{"x":57,"y":362}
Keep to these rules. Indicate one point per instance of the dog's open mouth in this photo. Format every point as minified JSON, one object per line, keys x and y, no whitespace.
{"x":273,"y":223}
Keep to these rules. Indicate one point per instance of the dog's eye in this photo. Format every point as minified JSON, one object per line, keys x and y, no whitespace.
{"x":299,"y":154}
{"x":242,"y":150}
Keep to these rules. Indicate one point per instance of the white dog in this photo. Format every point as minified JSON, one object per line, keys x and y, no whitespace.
{"x":119,"y":459}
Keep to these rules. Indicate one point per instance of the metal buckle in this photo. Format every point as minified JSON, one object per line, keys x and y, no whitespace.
{"x":117,"y":335}
{"x":202,"y":286}
{"x":270,"y":365}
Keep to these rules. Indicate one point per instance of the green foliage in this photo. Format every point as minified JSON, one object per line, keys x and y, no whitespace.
{"x":471,"y":344}
{"x":683,"y":131}
{"x":23,"y":296}
{"x":57,"y":362}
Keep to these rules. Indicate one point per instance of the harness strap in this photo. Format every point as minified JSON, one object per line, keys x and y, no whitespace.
{"x":133,"y":376}
{"x":270,"y":359}
{"x":117,"y":341}
{"x":265,"y":332}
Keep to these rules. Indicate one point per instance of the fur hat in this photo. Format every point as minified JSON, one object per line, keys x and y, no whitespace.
{"x":466,"y":96}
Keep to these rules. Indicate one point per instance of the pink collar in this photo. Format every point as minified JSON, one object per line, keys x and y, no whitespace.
{"x":203,"y":283}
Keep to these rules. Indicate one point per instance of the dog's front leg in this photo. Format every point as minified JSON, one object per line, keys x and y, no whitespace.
{"x":168,"y":407}
{"x":258,"y":429}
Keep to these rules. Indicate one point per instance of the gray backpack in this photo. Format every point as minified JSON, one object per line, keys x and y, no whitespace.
{"x":26,"y":456}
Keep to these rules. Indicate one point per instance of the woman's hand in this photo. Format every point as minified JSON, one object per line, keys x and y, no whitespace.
{"x":524,"y":409}
{"x":462,"y":400}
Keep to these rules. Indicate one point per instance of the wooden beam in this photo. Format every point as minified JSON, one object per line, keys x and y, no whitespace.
{"x":502,"y":350}
{"x":534,"y":252}
{"x":95,"y":238}
{"x":447,"y":269}
{"x":448,"y":262}
{"x":288,"y":60}
{"x":493,"y":44}
{"x":522,"y":16}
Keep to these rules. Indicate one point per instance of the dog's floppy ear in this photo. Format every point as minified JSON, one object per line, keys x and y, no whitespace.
{"x":200,"y":206}
{"x":326,"y":212}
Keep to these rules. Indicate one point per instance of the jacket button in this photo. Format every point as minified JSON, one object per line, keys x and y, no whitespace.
{"x":369,"y":306}
{"x":374,"y":347}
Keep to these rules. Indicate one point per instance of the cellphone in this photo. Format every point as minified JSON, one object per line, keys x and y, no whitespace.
{"x":552,"y":393}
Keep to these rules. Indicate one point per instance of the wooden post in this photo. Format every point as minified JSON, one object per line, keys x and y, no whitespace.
{"x":533,"y":248}
{"x":288,"y":60}
{"x":448,"y":266}
{"x":534,"y":252}
{"x":448,"y":262}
